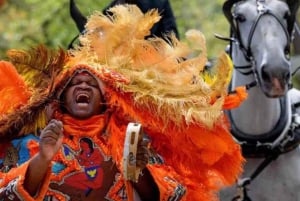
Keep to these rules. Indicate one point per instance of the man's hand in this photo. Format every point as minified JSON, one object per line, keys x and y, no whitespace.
{"x":51,"y":139}
{"x":145,"y":186}
{"x":50,"y":142}
{"x":142,"y":155}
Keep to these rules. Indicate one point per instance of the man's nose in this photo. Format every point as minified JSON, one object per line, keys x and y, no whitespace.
{"x":84,"y":85}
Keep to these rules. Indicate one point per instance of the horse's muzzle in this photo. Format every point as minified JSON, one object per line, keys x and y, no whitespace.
{"x":275,"y":81}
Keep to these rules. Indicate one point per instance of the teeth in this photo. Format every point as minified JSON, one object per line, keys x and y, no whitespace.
{"x":82,"y":98}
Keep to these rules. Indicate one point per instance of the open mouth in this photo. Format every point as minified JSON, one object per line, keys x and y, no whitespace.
{"x":83,"y":98}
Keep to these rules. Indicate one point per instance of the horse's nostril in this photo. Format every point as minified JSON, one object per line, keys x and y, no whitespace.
{"x":287,"y":76}
{"x":268,"y":73}
{"x":265,"y":74}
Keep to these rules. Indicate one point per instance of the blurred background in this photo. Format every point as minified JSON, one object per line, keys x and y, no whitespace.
{"x":26,"y":23}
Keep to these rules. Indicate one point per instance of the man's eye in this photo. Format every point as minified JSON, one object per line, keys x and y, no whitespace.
{"x":73,"y":83}
{"x":93,"y":84}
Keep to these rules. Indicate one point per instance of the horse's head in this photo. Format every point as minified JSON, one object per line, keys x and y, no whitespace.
{"x":263,"y":29}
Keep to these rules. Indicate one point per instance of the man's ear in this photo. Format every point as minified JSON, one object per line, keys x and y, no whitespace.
{"x":51,"y":108}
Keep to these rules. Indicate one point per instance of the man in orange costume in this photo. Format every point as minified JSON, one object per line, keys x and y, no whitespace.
{"x":78,"y":117}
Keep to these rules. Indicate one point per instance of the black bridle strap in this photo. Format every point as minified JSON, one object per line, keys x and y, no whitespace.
{"x":247,"y":86}
{"x":262,"y":10}
{"x":267,"y":12}
{"x":246,"y":181}
{"x":239,"y":68}
{"x":264,"y":164}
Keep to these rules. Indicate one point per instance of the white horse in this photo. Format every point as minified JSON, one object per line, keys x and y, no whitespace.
{"x":266,"y":124}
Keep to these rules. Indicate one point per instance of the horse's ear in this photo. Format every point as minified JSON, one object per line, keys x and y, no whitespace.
{"x":77,"y":16}
{"x":79,"y":19}
{"x":227,"y":9}
{"x":293,"y":5}
{"x":227,"y":6}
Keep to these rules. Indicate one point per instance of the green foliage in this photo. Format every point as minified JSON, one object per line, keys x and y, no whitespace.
{"x":207,"y":17}
{"x":24,"y":23}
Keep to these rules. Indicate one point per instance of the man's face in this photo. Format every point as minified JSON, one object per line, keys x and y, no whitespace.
{"x":82,"y":97}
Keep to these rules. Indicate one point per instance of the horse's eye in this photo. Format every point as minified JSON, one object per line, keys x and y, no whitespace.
{"x":287,"y":52}
{"x":287,"y":15}
{"x":239,"y":17}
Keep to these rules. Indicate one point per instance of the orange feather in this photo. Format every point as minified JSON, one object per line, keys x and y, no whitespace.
{"x":13,"y":90}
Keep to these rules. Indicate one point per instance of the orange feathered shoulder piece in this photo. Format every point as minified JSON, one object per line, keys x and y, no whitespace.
{"x":26,"y":88}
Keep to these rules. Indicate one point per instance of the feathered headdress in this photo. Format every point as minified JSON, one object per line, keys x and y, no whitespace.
{"x":160,"y":75}
{"x":161,"y":84}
